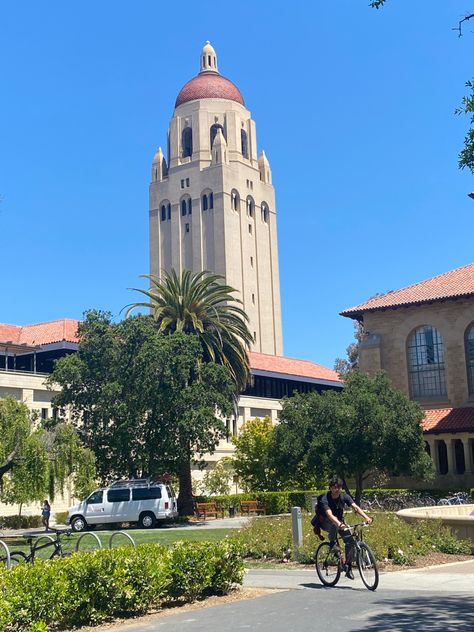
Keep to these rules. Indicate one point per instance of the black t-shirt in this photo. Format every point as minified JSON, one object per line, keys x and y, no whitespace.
{"x":336,"y":505}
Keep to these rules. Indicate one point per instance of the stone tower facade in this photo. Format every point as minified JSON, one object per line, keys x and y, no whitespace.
{"x":212,"y":203}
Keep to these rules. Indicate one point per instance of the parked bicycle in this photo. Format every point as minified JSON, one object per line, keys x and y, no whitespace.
{"x":329,"y":560}
{"x":459,"y":498}
{"x":44,"y":542}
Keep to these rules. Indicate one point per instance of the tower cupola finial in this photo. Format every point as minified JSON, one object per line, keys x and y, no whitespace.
{"x":208,"y":58}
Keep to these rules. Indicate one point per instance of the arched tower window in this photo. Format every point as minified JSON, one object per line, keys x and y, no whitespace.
{"x":163,"y":213}
{"x":169,"y":211}
{"x":187,"y":142}
{"x":183,"y":207}
{"x":204,"y":202}
{"x":244,"y":143}
{"x":190,"y":206}
{"x":265,"y":213}
{"x":211,"y":200}
{"x":213,"y":132}
{"x":250,"y":207}
{"x":469,"y":344}
{"x":426,"y":363}
{"x":235,"y":200}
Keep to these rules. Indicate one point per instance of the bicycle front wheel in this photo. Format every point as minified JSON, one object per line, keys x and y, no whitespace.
{"x":328,"y":565}
{"x":17,"y":557}
{"x":367,"y":565}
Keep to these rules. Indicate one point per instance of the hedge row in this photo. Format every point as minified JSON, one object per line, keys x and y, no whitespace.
{"x":20,"y":522}
{"x":281,"y":502}
{"x":88,"y":588}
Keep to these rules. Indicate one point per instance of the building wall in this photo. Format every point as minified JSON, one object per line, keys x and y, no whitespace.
{"x":385,"y":348}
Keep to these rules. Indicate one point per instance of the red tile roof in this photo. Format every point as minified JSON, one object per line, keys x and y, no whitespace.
{"x":209,"y":85}
{"x":449,"y":420}
{"x":64,"y":330}
{"x":291,"y":366}
{"x":455,"y":284}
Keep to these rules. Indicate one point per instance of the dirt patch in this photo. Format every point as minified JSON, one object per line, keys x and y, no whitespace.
{"x":235,"y":595}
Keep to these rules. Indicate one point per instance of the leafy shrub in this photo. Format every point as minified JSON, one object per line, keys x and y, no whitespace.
{"x":388,"y":536}
{"x":20,"y":522}
{"x":92,"y":587}
{"x":60,"y":517}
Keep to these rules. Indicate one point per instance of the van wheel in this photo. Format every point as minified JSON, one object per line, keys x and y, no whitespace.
{"x":78,"y":524}
{"x":147,"y":520}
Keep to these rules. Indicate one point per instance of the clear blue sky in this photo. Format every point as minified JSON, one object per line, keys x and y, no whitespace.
{"x":354,"y":108}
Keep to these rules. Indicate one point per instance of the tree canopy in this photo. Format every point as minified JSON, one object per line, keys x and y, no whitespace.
{"x":36,"y":460}
{"x":146,"y":403}
{"x":251,"y":459}
{"x":201,"y":303}
{"x":367,"y":429}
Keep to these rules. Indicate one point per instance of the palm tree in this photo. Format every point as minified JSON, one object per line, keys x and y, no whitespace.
{"x":200,"y":303}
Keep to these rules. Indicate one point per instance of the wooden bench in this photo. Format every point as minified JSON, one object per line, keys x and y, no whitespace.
{"x":251,"y":507}
{"x":208,"y":509}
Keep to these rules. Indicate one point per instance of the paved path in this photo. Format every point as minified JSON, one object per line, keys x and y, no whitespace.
{"x":437,"y":599}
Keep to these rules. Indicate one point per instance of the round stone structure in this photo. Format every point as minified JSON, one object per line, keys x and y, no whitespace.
{"x":459,"y":518}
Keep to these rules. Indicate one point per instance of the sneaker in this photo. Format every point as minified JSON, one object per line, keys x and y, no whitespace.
{"x":349,"y":573}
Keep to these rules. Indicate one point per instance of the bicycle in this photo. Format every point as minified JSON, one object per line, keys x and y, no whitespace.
{"x":459,"y":498}
{"x":18,"y":556}
{"x":328,"y":560}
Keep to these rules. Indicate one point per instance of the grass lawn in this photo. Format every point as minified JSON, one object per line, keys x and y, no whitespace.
{"x":140,"y":536}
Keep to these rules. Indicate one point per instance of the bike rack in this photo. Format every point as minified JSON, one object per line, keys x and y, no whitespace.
{"x":5,"y":546}
{"x":121,"y":533}
{"x":84,"y":535}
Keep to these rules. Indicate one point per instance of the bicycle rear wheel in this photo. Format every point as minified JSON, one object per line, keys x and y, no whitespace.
{"x":367,"y":565}
{"x":328,"y":565}
{"x":17,"y":557}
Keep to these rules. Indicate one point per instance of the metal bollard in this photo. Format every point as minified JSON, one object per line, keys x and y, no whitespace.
{"x":297,"y":527}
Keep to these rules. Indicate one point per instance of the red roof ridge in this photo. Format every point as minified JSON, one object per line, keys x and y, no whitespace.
{"x":376,"y":302}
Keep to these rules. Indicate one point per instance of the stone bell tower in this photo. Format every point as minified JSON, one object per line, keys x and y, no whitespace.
{"x":212,"y":203}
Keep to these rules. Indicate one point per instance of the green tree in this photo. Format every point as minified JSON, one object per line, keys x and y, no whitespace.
{"x":217,"y":480}
{"x":36,"y":461}
{"x":466,"y":155}
{"x":201,"y":304}
{"x":367,"y":429}
{"x":342,"y":365}
{"x":251,"y":459}
{"x":146,"y":403}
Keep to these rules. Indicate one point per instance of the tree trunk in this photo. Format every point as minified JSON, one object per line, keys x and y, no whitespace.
{"x":185,"y":497}
{"x":359,"y":486}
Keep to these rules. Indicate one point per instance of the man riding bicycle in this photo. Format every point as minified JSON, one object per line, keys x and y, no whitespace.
{"x":330,"y":517}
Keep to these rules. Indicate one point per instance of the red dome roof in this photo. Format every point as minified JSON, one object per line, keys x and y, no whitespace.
{"x":209,"y":85}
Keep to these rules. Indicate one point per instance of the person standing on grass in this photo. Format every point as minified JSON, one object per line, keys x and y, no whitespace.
{"x":330,"y":517}
{"x":45,"y":514}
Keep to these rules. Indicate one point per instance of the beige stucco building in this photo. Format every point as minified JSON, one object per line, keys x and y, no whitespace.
{"x":422,"y":336}
{"x":212,"y":202}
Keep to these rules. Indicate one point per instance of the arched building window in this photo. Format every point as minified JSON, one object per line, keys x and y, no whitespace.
{"x":244,"y":143}
{"x":211,"y":200}
{"x":190,"y":206}
{"x":204,"y":202}
{"x":187,"y":142}
{"x":213,"y":132}
{"x":169,"y":211}
{"x":163,"y":213}
{"x":469,"y":345}
{"x":235,"y":200}
{"x":183,"y":207}
{"x":426,"y":370}
{"x":265,"y":213}
{"x":250,"y":207}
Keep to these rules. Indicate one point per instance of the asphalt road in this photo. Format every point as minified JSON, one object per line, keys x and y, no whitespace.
{"x":436,"y":599}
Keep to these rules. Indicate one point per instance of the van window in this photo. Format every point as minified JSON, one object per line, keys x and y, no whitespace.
{"x":118,"y":495}
{"x":95,"y":498}
{"x":146,"y":493}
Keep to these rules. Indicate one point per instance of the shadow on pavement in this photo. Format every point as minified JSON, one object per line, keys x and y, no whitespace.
{"x":425,"y":613}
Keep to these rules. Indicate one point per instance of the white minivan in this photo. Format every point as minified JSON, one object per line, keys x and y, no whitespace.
{"x":137,"y":500}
